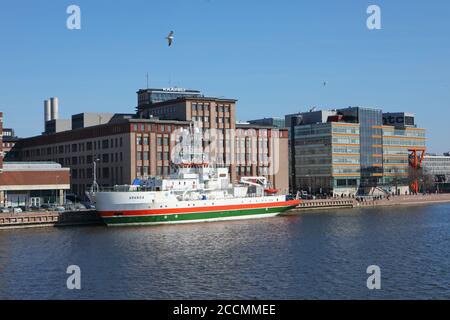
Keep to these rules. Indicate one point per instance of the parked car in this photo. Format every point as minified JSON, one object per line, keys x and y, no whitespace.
{"x":305,"y":196}
{"x":88,"y":205}
{"x":5,"y":210}
{"x":60,"y":209}
{"x":17,"y":210}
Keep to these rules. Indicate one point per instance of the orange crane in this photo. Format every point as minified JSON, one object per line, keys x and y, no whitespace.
{"x":416,"y":155}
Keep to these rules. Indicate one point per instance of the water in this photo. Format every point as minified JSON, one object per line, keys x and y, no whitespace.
{"x":321,"y":254}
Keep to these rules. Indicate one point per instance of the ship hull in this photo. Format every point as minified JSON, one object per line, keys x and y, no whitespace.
{"x":190,"y":215}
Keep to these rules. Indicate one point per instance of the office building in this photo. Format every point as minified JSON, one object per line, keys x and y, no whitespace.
{"x":349,"y":151}
{"x":438,"y":167}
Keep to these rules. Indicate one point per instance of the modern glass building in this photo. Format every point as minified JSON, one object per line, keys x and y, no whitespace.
{"x":275,"y":122}
{"x":349,"y":151}
{"x":438,"y":167}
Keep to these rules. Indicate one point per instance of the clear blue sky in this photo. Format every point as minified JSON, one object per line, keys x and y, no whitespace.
{"x":272,"y":56}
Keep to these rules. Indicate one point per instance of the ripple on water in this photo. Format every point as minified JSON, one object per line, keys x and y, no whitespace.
{"x":314,"y":255}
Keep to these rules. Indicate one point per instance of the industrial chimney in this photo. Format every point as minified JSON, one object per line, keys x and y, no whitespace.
{"x":54,"y":108}
{"x":47,"y":111}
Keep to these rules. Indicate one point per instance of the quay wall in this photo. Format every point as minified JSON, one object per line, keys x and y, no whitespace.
{"x":49,"y":219}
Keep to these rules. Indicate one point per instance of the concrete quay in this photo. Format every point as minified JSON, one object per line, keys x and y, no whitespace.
{"x":49,"y":219}
{"x":333,"y":203}
{"x":419,"y":199}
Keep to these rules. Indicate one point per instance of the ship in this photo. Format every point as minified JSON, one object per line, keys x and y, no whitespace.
{"x":195,"y":192}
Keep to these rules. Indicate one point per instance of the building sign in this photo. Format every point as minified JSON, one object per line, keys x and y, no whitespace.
{"x":174,"y":89}
{"x":397,"y":119}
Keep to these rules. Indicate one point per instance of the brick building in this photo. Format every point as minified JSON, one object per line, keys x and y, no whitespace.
{"x":31,"y":183}
{"x":139,"y":146}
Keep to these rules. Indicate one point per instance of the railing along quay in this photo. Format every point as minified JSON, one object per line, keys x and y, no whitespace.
{"x":324,"y":204}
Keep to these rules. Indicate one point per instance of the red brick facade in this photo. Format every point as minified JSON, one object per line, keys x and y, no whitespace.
{"x":33,"y":178}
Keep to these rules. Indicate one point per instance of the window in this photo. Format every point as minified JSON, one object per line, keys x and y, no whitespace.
{"x":138,"y":155}
{"x":139,"y":140}
{"x":146,"y":141}
{"x":105,"y":173}
{"x":105,"y":158}
{"x":105,"y":144}
{"x":89,"y":146}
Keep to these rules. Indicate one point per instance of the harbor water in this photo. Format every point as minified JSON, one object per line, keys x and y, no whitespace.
{"x":313,"y":255}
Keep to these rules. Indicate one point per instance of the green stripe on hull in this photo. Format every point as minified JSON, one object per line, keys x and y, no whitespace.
{"x":156,"y":219}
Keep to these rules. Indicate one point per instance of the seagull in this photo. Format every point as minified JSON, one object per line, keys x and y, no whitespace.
{"x":170,"y":38}
{"x":324,"y":83}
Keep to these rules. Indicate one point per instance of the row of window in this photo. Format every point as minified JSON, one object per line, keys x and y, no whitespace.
{"x":346,"y":140}
{"x":144,"y":127}
{"x":403,"y":142}
{"x":405,"y":133}
{"x":76,"y":147}
{"x":346,"y":130}
{"x":81,"y":160}
{"x":143,"y":171}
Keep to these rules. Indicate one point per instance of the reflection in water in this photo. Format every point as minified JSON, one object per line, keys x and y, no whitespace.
{"x":313,"y":255}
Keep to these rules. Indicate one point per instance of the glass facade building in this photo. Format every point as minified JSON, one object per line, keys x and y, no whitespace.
{"x":349,"y":151}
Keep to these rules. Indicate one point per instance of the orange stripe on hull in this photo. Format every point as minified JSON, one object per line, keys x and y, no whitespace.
{"x":290,"y":203}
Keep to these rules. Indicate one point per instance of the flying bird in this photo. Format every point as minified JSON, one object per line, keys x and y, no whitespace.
{"x":170,"y":38}
{"x":325,"y":83}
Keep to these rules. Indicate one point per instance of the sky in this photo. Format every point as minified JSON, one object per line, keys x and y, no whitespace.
{"x":272,"y":56}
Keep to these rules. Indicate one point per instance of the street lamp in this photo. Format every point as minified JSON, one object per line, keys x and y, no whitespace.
{"x":95,"y":187}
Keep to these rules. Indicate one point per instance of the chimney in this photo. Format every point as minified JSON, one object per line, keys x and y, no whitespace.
{"x":47,"y":111}
{"x":54,"y":108}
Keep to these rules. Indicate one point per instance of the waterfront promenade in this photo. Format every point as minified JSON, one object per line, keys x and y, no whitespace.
{"x":408,"y":200}
{"x":419,"y":199}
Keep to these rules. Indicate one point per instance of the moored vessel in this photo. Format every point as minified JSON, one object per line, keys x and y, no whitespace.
{"x":196,"y":193}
